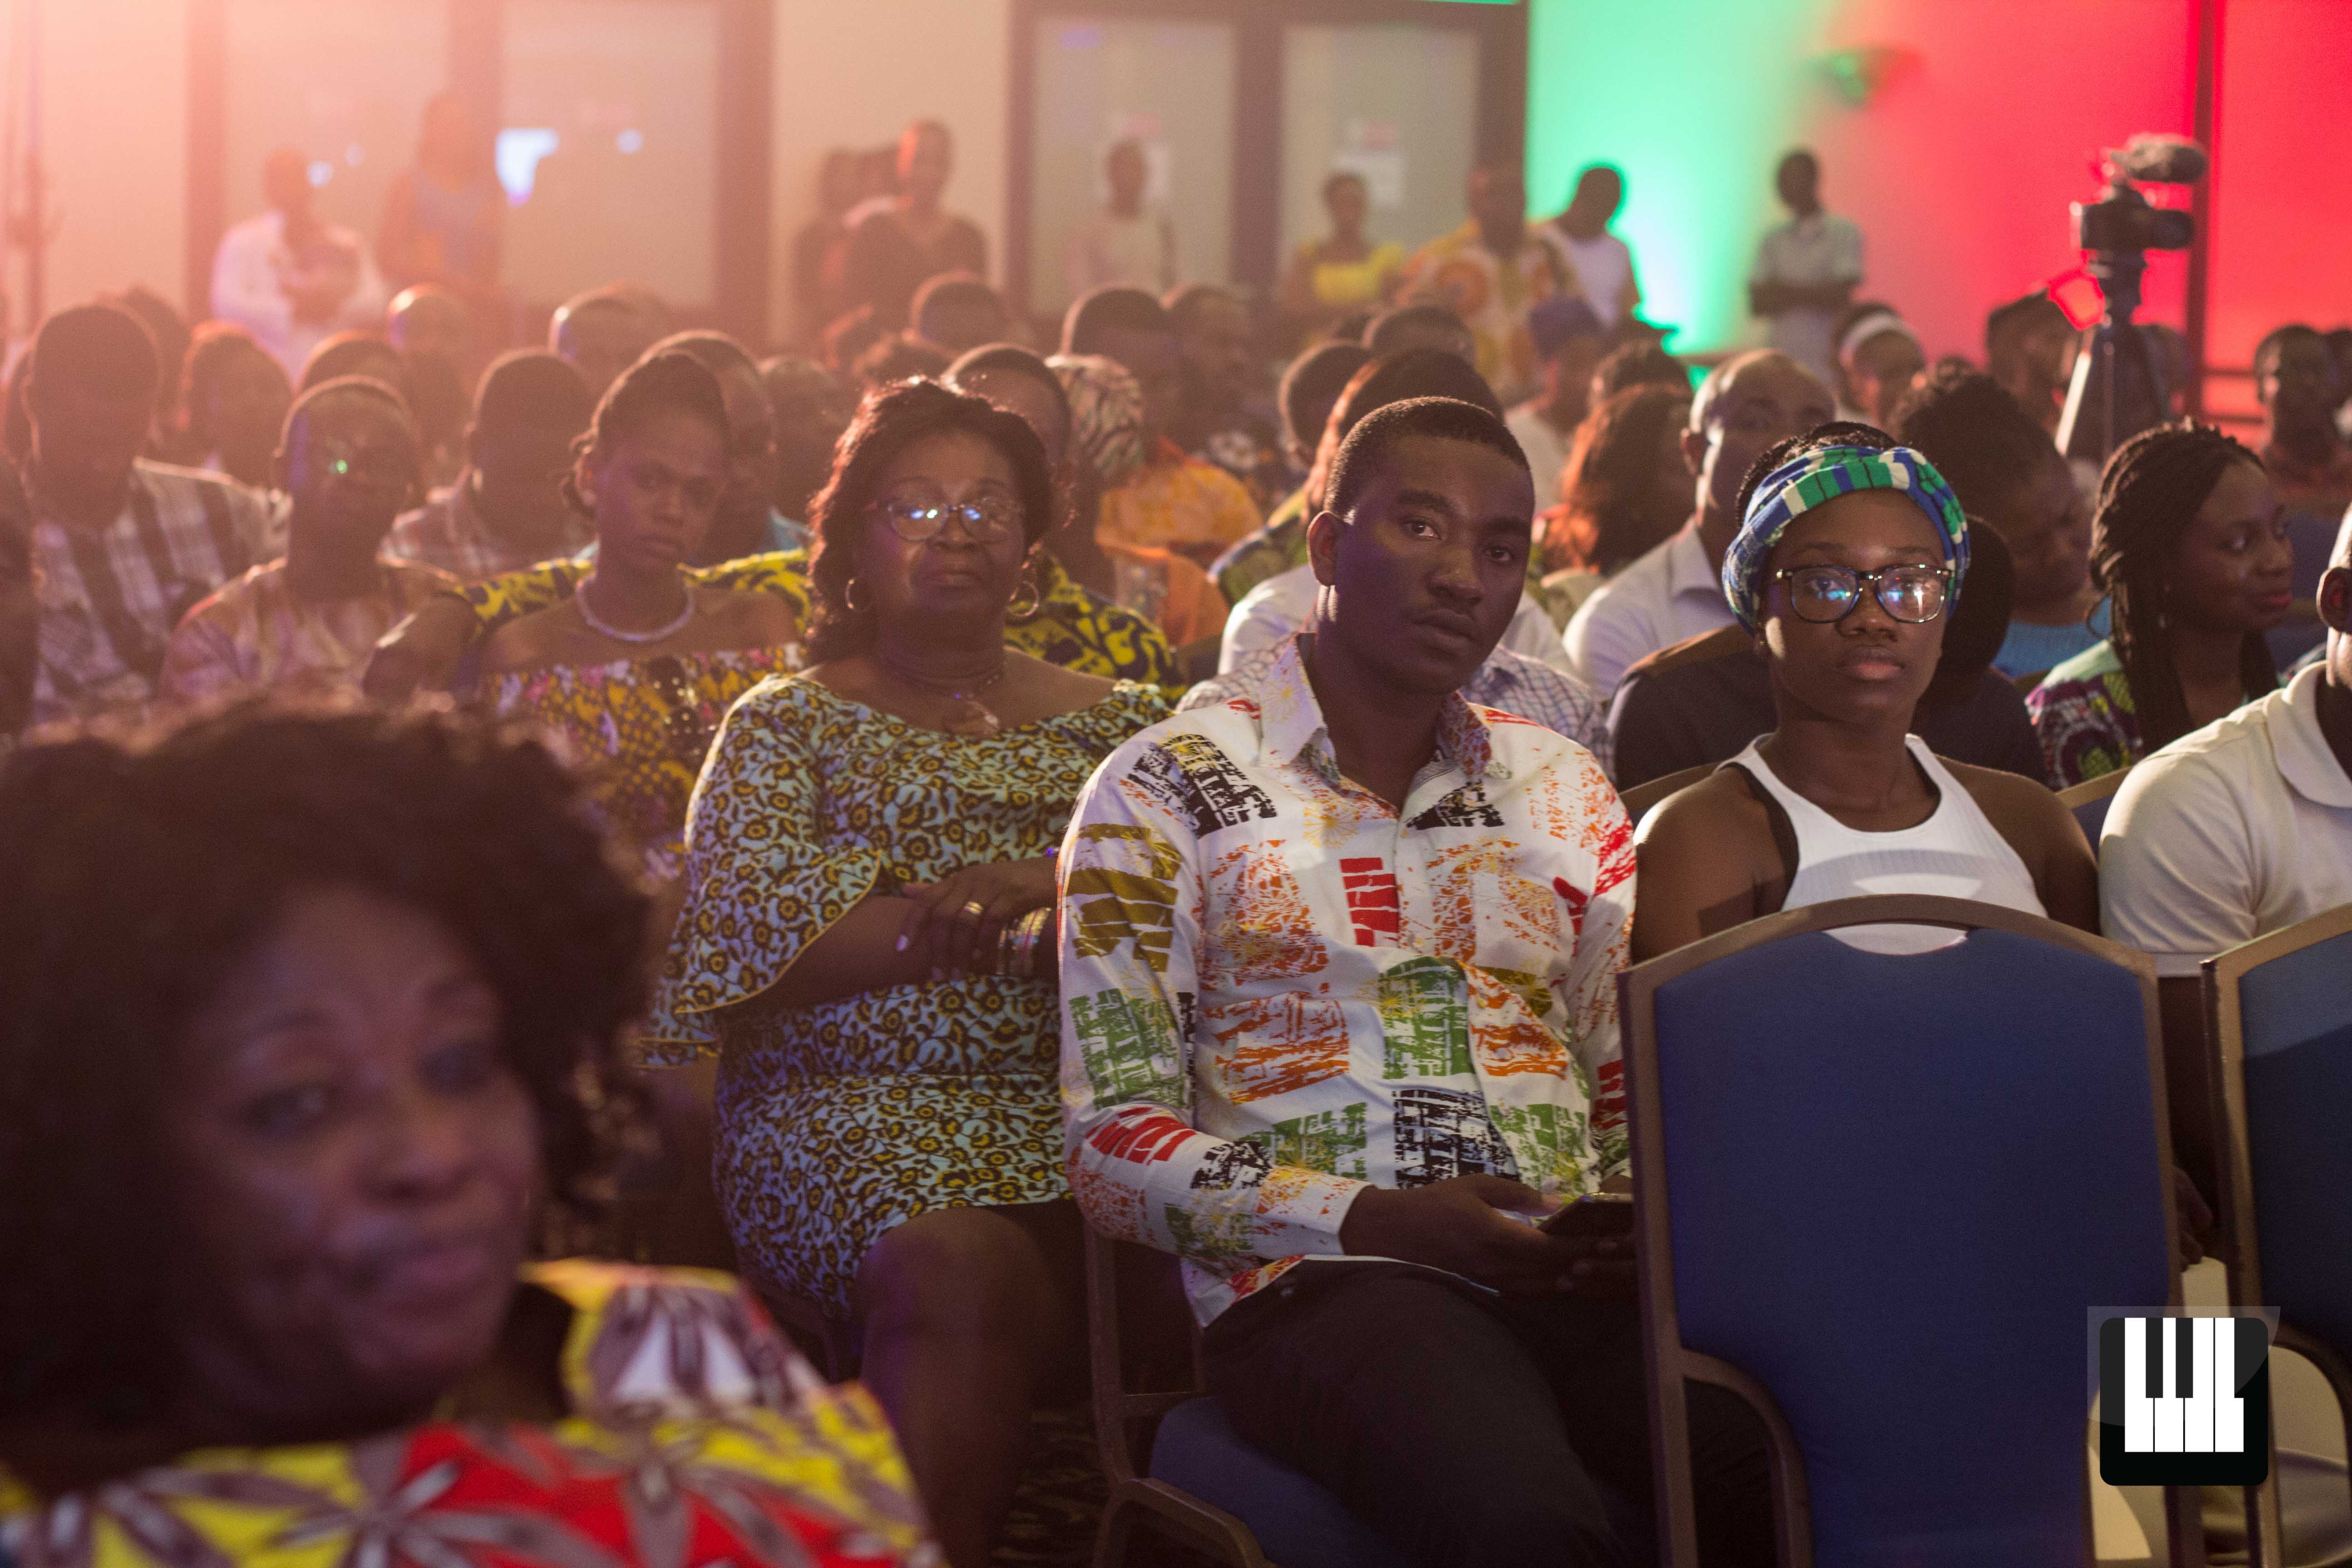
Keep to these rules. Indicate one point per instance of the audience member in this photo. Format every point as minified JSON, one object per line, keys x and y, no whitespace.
{"x":1124,"y":243}
{"x":636,"y":670}
{"x":427,"y":318}
{"x":437,"y":399}
{"x":901,"y":356}
{"x":1219,"y":392}
{"x":355,"y":352}
{"x":1421,"y":325}
{"x":173,"y":337}
{"x":748,"y":522}
{"x":507,"y":508}
{"x":825,"y":235}
{"x":601,"y":333}
{"x":2309,"y":462}
{"x":444,"y":218}
{"x":1569,"y":342}
{"x":2012,"y":479}
{"x":234,"y":397}
{"x":289,"y":277}
{"x":1675,"y":592}
{"x":1852,"y":551}
{"x":1375,"y":833}
{"x":309,"y":621}
{"x":889,"y":1144}
{"x":1624,"y":490}
{"x":2030,"y":351}
{"x":123,"y":548}
{"x":363,"y":998}
{"x":1131,"y":327}
{"x":895,"y":249}
{"x":1700,"y":702}
{"x":1310,"y":388}
{"x":1344,"y":272}
{"x":2191,"y":551}
{"x":1603,"y":263}
{"x":848,"y":336}
{"x":812,"y":408}
{"x":1639,"y":363}
{"x":960,"y":312}
{"x":1878,"y":358}
{"x":1806,"y":270}
{"x":1490,"y":272}
{"x":1281,"y":545}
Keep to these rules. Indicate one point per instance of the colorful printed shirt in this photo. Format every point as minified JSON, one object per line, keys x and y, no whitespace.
{"x":2083,"y":716}
{"x":448,"y":531}
{"x":1280,"y":546}
{"x":696,"y":1436}
{"x":1491,"y":294}
{"x":257,"y":635}
{"x":1167,"y":590}
{"x":1180,"y":503}
{"x":1072,"y":627}
{"x":1276,"y":990}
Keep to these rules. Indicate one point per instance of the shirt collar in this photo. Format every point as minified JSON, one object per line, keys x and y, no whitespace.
{"x":1688,"y":571}
{"x":1291,"y":720}
{"x":2304,"y":758}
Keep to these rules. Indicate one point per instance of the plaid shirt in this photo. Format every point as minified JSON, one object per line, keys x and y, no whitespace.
{"x":1277,"y":989}
{"x":111,"y":597}
{"x":446,"y":532}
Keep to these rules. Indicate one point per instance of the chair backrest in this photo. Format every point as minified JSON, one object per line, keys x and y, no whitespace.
{"x":2279,"y":1010}
{"x":1877,"y":1194}
{"x":1643,"y":797}
{"x":1128,"y":1340}
{"x":2090,"y":799}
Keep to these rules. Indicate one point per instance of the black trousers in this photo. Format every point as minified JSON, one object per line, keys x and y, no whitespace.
{"x":1470,"y":1430}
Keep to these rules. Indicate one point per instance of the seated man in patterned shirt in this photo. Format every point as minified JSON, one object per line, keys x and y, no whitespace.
{"x":1339,"y":1018}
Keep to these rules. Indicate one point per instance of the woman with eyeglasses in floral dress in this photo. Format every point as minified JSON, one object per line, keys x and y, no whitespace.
{"x":867,"y":944}
{"x":1852,"y":551}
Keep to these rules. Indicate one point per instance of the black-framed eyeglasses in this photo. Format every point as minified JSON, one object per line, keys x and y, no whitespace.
{"x":986,"y":519}
{"x":1823,"y":594}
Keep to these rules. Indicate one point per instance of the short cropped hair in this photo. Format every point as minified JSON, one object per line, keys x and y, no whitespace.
{"x":1437,"y":418}
{"x":1114,"y":307}
{"x":1979,"y":437}
{"x":102,"y":349}
{"x":1314,"y":380}
{"x":1385,"y":330}
{"x":532,"y":388}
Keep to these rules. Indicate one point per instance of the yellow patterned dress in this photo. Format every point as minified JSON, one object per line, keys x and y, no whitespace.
{"x":696,"y":1436}
{"x":641,"y":729}
{"x":839,"y":1120}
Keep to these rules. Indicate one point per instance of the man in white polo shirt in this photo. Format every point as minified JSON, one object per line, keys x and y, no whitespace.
{"x":2239,"y":830}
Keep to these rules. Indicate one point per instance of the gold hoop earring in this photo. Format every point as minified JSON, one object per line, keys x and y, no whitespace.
{"x":1016,"y":610}
{"x":849,"y":598}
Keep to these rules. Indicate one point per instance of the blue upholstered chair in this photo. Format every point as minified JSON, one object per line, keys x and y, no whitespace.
{"x":2279,"y":1018}
{"x":1877,"y":1196}
{"x":1176,"y":1467}
{"x":2089,"y":801}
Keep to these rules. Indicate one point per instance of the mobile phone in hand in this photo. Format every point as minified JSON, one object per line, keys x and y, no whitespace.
{"x":1593,"y":1214}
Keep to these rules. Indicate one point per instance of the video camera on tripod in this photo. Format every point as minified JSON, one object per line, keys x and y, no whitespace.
{"x":2119,"y":387}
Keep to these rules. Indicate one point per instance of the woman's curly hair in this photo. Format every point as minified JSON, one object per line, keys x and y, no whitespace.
{"x":1608,"y":481}
{"x":890,"y":420}
{"x":140,"y":871}
{"x":665,"y":381}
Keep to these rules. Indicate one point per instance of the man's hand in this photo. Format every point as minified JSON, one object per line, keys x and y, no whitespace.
{"x":1461,"y":1226}
{"x":422,"y":653}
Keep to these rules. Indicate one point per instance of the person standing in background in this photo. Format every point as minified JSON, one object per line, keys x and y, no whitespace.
{"x":894,"y":249}
{"x":838,"y":184}
{"x":1123,"y":243}
{"x":444,"y":220}
{"x":1603,"y":263}
{"x":289,"y":277}
{"x":1806,"y":271}
{"x":1344,"y":273}
{"x":1490,"y":272}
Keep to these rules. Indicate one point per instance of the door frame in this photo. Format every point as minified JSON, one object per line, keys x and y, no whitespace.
{"x":1256,"y":261}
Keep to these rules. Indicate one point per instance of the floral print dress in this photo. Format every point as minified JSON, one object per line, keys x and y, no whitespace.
{"x":839,"y":1120}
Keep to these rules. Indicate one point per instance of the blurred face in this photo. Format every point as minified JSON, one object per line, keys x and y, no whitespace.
{"x":1126,"y":172}
{"x":434,"y":323}
{"x":246,"y":408}
{"x":1428,"y":565}
{"x":285,"y":182}
{"x":518,"y":478}
{"x":1348,"y":202}
{"x":1151,"y":357}
{"x":350,"y":467}
{"x":356,"y":1166}
{"x":925,"y":159}
{"x":2297,"y":382}
{"x":449,"y":133}
{"x":1799,"y":183}
{"x":2232,"y":566}
{"x":1499,"y":202}
{"x":962,"y":572}
{"x":751,"y":445}
{"x":599,"y":342}
{"x":1022,"y":394}
{"x":2046,"y":524}
{"x":84,"y":441}
{"x":1768,"y":398}
{"x":810,"y":412}
{"x":656,"y":493}
{"x":1883,"y":366}
{"x":1868,"y":664}
{"x":1219,"y":351}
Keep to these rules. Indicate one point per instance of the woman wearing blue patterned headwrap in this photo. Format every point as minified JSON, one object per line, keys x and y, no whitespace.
{"x":1850,"y":557}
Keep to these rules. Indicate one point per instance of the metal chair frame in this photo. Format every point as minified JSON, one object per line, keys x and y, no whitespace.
{"x":2074,"y":796}
{"x":1671,"y":1363}
{"x":2225,"y":1035}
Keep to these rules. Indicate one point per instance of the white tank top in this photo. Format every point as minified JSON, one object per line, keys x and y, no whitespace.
{"x":1956,"y":853}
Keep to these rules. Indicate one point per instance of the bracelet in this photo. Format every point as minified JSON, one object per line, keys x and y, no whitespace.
{"x":1016,"y":945}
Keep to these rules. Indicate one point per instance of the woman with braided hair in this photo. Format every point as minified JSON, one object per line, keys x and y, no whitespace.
{"x":2190,"y":550}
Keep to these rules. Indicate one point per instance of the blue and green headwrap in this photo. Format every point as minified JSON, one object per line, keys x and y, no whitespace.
{"x":1824,"y":475}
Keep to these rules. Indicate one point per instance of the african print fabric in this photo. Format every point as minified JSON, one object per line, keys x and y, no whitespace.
{"x":1277,"y":989}
{"x":696,"y":1436}
{"x":1072,"y":627}
{"x":1180,"y":503}
{"x":1280,"y":546}
{"x":837,"y":1121}
{"x":256,"y":634}
{"x":641,"y":729}
{"x":1819,"y":477}
{"x":1493,"y":294}
{"x":2083,"y":716}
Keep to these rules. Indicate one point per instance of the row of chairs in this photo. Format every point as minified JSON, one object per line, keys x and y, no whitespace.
{"x":1880,"y":1198}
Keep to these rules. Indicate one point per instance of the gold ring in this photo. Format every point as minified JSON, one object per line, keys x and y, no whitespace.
{"x":972,"y":911}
